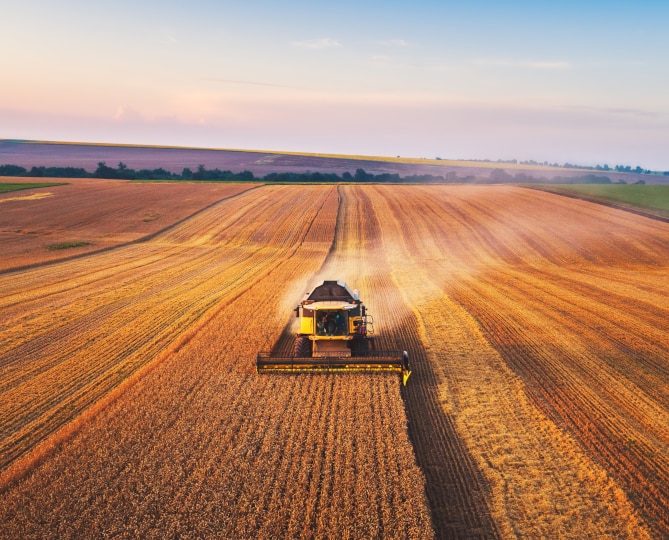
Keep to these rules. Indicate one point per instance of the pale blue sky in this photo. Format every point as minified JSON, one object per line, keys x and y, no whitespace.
{"x":580,"y":82}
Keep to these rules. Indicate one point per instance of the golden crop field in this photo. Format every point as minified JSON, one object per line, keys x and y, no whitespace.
{"x":538,"y":404}
{"x":199,"y":444}
{"x":87,"y":215}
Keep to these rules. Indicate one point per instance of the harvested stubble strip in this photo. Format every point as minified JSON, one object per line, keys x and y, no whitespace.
{"x":496,"y":253}
{"x":202,"y":446}
{"x":360,"y":256}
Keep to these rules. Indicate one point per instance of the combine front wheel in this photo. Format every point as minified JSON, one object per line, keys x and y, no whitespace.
{"x":302,"y":347}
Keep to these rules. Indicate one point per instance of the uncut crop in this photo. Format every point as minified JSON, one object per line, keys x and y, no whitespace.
{"x":201,"y":445}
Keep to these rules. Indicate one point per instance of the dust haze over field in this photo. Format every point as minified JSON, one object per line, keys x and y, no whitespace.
{"x":536,"y":326}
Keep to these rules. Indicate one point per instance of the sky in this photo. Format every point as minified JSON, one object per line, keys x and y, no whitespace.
{"x":582,"y":82}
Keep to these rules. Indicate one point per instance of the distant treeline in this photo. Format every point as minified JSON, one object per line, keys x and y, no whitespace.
{"x":605,"y":167}
{"x":123,"y":172}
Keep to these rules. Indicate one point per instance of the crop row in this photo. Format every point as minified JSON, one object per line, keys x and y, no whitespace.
{"x":66,"y":342}
{"x":536,"y":327}
{"x":202,"y":446}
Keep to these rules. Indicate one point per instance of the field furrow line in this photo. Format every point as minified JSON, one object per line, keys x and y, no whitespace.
{"x":537,"y":407}
{"x":524,"y":458}
{"x":599,"y":406}
{"x":360,"y":256}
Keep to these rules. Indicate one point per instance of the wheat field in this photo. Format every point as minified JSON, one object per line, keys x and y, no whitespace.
{"x":537,"y":406}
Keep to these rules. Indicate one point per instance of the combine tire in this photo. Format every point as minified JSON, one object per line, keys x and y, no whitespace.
{"x":302,"y":347}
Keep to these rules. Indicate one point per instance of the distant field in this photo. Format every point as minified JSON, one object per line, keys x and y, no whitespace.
{"x":262,"y":162}
{"x":651,"y":198}
{"x":7,"y":187}
{"x":90,"y":214}
{"x":386,"y":159}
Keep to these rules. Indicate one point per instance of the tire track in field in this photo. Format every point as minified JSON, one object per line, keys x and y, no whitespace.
{"x":360,"y":256}
{"x":455,"y":487}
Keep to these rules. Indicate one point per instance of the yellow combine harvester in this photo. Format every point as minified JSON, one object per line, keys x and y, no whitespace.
{"x":335,"y":335}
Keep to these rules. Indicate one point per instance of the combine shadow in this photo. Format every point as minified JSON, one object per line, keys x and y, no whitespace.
{"x":284,"y":345}
{"x":457,"y":492}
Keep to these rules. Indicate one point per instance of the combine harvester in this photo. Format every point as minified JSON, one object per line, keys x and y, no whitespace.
{"x":336,"y":335}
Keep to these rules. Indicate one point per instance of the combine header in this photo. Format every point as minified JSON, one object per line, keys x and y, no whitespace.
{"x":336,"y":334}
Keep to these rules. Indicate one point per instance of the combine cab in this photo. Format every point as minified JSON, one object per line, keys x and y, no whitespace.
{"x":336,"y":334}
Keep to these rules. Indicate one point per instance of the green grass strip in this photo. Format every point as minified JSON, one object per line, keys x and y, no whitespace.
{"x":653,"y":198}
{"x":67,"y":245}
{"x":7,"y":187}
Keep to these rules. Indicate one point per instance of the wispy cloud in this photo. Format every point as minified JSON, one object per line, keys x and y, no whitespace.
{"x":323,"y":43}
{"x":619,"y":111}
{"x":392,"y":43}
{"x":525,"y":64}
{"x":250,"y":83}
